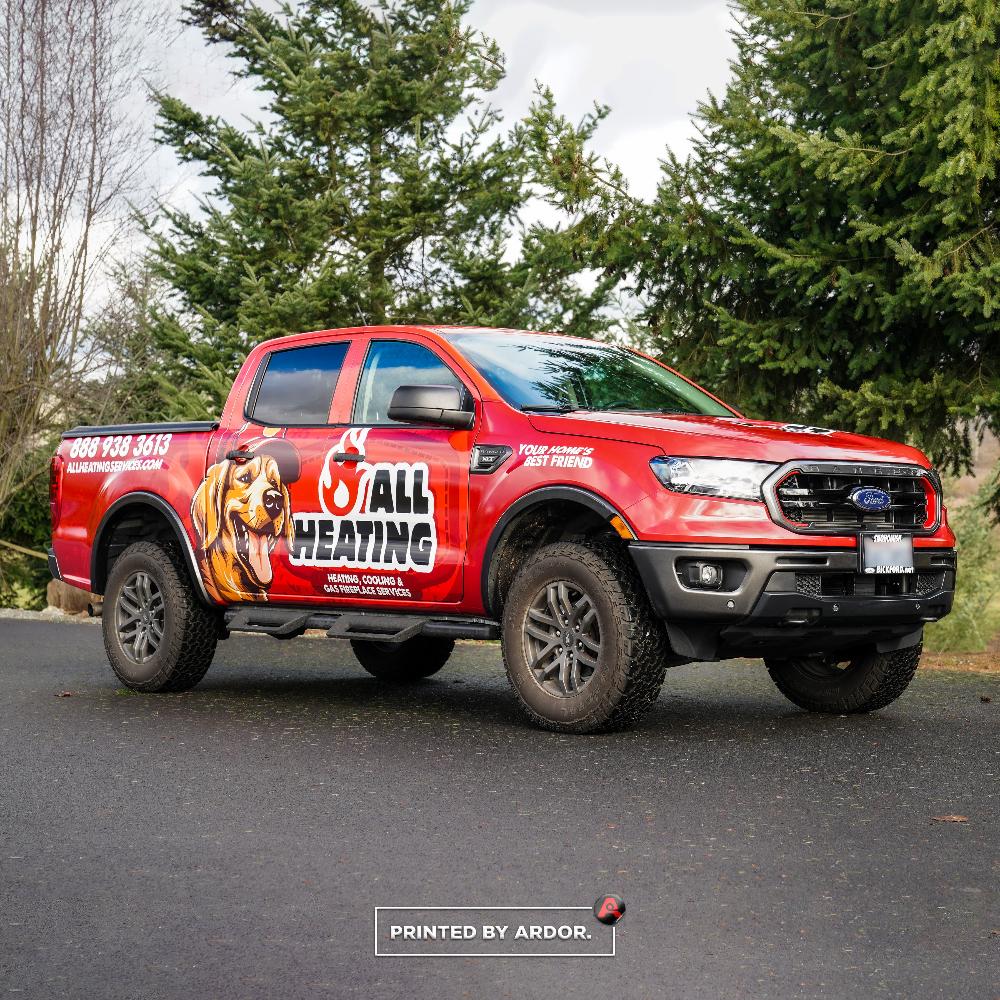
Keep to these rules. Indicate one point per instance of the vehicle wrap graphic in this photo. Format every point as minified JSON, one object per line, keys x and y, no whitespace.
{"x":239,"y":512}
{"x":373,"y":515}
{"x":115,"y":453}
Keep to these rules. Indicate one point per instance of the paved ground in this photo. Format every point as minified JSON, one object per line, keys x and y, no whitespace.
{"x":233,"y":841}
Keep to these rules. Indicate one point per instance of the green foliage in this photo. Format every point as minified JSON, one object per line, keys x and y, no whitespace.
{"x":843,"y":197}
{"x":124,"y":385}
{"x":26,"y":518}
{"x":25,"y":522}
{"x":128,"y":384}
{"x":829,"y":251}
{"x":975,"y":619}
{"x":379,"y":187}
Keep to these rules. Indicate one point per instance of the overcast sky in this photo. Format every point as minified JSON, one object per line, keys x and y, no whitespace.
{"x":650,"y":60}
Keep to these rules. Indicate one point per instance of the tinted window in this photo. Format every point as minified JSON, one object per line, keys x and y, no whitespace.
{"x":297,"y":387}
{"x":390,"y":364}
{"x":535,"y":371}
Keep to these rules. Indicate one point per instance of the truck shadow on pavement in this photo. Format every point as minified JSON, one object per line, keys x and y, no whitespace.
{"x":701,"y":702}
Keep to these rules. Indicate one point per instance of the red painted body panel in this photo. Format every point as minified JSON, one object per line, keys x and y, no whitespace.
{"x":415,"y":481}
{"x":92,"y":483}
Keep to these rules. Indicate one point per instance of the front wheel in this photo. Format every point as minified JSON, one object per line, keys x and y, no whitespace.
{"x":845,"y":684}
{"x":157,"y":633}
{"x":583,"y":650}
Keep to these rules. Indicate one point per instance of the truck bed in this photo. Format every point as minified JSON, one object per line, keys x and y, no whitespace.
{"x":176,"y":427}
{"x":104,"y":471}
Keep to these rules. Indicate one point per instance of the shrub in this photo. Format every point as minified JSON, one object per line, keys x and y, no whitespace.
{"x":25,"y":522}
{"x":974,"y":620}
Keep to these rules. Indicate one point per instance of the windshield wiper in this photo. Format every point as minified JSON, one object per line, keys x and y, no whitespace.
{"x":638,"y":409}
{"x":548,"y":408}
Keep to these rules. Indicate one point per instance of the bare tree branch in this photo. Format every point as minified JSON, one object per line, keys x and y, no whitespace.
{"x":70,"y":156}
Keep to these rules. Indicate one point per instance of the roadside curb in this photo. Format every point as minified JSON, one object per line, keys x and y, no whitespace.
{"x":50,"y":614}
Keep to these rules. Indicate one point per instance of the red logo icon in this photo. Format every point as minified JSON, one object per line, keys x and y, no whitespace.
{"x":342,"y":483}
{"x":609,"y":909}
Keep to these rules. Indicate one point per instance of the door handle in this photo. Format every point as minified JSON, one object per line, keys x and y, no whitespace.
{"x":240,"y":455}
{"x":347,"y":456}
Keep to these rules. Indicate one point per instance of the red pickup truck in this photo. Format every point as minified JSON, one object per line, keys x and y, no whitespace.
{"x":403,"y":487}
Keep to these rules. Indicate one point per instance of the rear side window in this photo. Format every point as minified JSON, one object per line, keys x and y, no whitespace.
{"x":297,"y":385}
{"x":390,"y":364}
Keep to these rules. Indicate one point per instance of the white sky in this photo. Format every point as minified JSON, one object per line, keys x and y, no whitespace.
{"x":650,"y":60}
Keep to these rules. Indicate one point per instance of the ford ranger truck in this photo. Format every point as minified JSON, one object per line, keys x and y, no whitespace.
{"x":403,"y":487}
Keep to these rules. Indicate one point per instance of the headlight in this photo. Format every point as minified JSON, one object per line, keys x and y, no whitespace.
{"x":713,"y":477}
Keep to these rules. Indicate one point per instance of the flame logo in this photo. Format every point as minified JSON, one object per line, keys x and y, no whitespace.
{"x":341,"y":484}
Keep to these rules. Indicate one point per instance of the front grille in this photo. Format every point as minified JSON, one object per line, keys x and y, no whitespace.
{"x":859,"y":585}
{"x":820,"y":501}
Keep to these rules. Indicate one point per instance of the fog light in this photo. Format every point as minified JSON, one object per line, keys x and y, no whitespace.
{"x":704,"y":575}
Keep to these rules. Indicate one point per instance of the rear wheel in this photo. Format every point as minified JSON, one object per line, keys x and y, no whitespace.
{"x":860,"y":682}
{"x":157,"y":633}
{"x":583,"y":650}
{"x":402,"y":662}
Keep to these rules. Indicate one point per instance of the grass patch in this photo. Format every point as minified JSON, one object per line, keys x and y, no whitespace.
{"x":975,"y":619}
{"x":970,"y":663}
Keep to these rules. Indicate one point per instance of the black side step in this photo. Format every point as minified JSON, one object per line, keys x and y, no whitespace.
{"x":268,"y":621}
{"x":286,"y":623}
{"x":381,"y":628}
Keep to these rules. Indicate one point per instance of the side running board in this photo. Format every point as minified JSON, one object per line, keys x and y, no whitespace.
{"x":267,"y":621}
{"x":286,"y":623}
{"x":381,"y":628}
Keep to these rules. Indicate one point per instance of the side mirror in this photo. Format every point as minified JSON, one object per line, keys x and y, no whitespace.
{"x":432,"y":404}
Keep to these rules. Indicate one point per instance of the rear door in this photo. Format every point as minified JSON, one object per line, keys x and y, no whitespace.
{"x":265,"y":469}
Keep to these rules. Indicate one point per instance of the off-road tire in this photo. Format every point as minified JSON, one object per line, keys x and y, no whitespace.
{"x":190,"y":629}
{"x":871,"y":680}
{"x":403,"y":662}
{"x":633,"y":646}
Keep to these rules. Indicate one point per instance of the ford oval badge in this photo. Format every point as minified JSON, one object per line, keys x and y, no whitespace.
{"x":870,"y":498}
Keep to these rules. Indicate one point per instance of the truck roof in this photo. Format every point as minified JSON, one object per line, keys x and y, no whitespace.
{"x":433,"y":329}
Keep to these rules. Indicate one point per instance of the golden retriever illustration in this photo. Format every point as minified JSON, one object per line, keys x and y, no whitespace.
{"x":239,"y":513}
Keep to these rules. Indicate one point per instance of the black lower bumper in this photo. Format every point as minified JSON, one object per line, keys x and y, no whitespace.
{"x":790,"y":599}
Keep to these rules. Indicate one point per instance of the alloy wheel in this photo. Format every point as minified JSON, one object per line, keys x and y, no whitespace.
{"x":562,"y":638}
{"x":139,"y":617}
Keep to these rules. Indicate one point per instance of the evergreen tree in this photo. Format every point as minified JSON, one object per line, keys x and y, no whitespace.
{"x":379,"y":186}
{"x":829,"y":252}
{"x":845,"y":192}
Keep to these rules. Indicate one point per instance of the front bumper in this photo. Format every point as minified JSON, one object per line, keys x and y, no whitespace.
{"x":790,"y":599}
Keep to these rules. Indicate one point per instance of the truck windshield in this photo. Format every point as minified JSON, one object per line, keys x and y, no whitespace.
{"x":555,"y":374}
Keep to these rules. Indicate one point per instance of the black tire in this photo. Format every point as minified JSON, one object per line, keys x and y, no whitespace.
{"x":400,"y":663}
{"x":609,"y":676}
{"x":188,"y":630}
{"x":864,"y":683}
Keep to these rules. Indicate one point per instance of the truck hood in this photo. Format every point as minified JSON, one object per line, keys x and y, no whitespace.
{"x":728,"y":437}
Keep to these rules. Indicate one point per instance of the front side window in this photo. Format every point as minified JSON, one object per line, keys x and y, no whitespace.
{"x":297,"y":386}
{"x":390,"y":364}
{"x":535,"y":372}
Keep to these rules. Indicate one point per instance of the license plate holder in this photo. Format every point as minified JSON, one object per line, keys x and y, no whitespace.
{"x":885,"y":553}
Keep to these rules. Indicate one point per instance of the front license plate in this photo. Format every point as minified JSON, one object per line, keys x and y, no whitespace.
{"x":886,"y":553}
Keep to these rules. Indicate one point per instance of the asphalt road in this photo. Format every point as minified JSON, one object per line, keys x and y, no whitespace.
{"x":233,"y":841}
